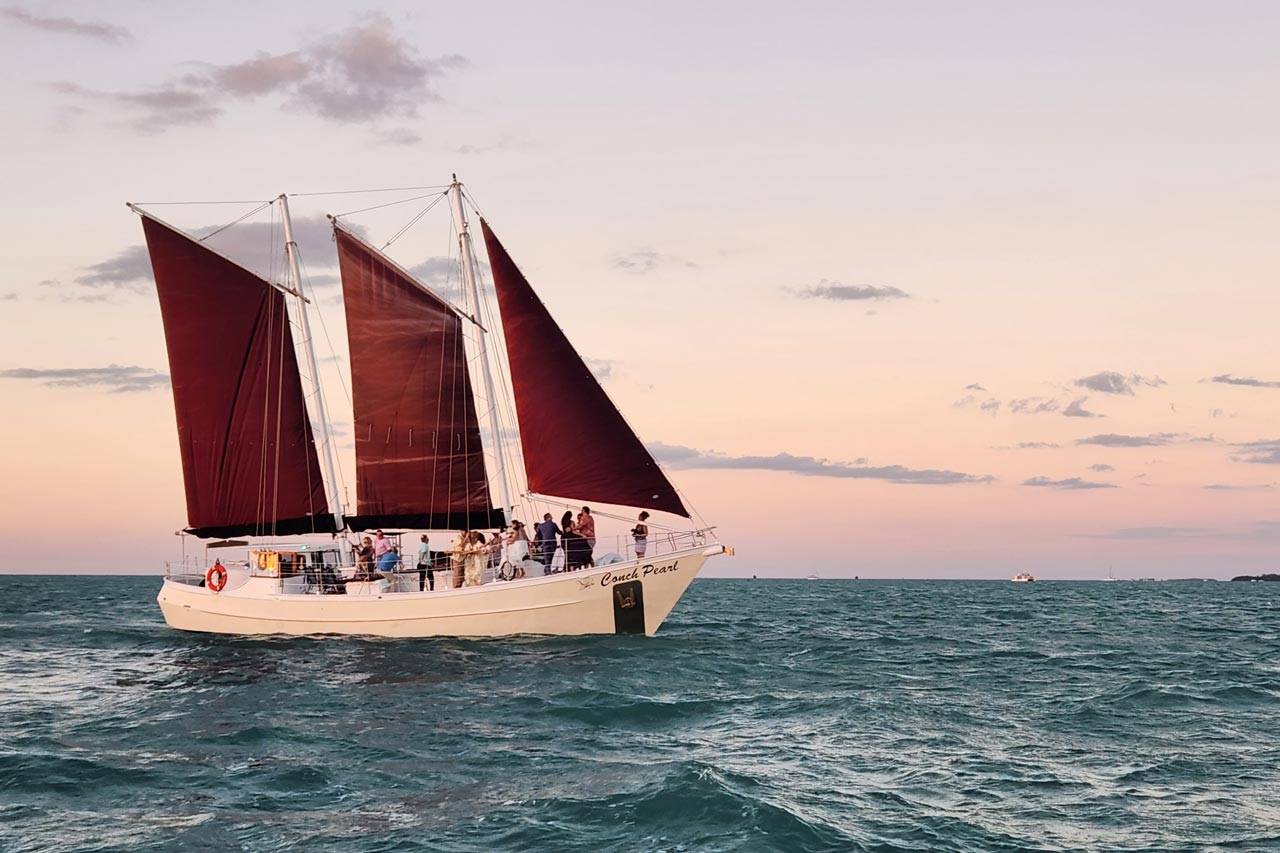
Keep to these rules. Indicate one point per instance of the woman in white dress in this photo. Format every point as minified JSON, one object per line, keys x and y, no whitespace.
{"x":517,"y":548}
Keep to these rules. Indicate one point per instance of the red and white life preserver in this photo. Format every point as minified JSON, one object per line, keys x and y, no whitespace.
{"x":216,"y":578}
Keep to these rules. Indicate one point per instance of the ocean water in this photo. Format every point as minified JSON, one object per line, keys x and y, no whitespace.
{"x":767,"y":715}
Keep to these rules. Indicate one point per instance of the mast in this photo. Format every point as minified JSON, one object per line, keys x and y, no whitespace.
{"x":473,"y":307}
{"x":295,"y":279}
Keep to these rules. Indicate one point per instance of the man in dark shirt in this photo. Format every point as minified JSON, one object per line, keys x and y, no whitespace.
{"x":544,"y":540}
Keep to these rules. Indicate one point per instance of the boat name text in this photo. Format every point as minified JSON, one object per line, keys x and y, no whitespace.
{"x":609,"y":578}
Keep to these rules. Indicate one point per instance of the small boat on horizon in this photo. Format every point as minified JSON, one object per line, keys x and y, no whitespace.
{"x":1024,"y":577}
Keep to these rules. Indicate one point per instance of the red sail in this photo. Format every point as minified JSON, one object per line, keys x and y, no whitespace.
{"x":248,"y":457}
{"x":576,"y":444}
{"x":419,"y":458}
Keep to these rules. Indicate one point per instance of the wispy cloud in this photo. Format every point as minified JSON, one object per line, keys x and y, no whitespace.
{"x":505,"y":142}
{"x":115,"y":378}
{"x":647,"y":260}
{"x":976,"y":386}
{"x":1158,"y":439}
{"x":1033,"y":406}
{"x":1102,"y":466}
{"x":837,"y":292}
{"x":1111,"y":382}
{"x":109,"y":33}
{"x":1266,"y":531}
{"x":1076,"y":409}
{"x":1030,"y":445}
{"x":1264,"y":452}
{"x":676,"y":456}
{"x":9,"y":297}
{"x":601,"y":367}
{"x":1237,"y":487}
{"x":259,"y":246}
{"x":1244,"y":381}
{"x":367,"y":72}
{"x":1069,"y":484}
{"x":129,"y":269}
{"x":437,"y":270}
{"x":1151,"y":533}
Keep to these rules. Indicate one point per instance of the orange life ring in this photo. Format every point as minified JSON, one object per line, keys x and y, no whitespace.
{"x":216,"y":578}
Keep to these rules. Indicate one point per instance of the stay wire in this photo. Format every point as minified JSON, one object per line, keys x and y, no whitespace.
{"x":413,"y":221}
{"x":387,"y":204}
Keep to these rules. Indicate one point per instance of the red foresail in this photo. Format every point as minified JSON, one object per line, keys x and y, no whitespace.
{"x":248,"y":457}
{"x":576,"y":444}
{"x":419,"y":458}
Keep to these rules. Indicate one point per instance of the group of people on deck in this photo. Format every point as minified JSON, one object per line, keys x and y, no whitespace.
{"x":472,"y":552}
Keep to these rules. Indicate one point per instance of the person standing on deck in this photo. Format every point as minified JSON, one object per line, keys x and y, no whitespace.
{"x":587,"y":530}
{"x":641,"y":534}
{"x":458,"y":559}
{"x":425,"y":573}
{"x":544,"y":539}
{"x":477,"y":554}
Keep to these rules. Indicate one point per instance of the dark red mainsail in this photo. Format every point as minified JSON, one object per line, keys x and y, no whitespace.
{"x":576,"y":444}
{"x":419,"y":458}
{"x":248,"y":457}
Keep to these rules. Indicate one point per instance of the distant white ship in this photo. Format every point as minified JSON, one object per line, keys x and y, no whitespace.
{"x":1024,"y":577}
{"x":813,"y":577}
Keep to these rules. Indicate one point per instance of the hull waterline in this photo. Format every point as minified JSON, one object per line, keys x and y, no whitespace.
{"x":591,"y":601}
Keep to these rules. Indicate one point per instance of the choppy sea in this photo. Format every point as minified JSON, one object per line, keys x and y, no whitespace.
{"x":767,"y":715}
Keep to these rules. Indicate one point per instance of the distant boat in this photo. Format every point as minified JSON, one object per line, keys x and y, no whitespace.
{"x":812,"y":577}
{"x":1024,"y":577}
{"x":1110,"y":578}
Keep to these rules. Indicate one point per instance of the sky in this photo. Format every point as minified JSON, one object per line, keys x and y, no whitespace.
{"x":894,"y":290}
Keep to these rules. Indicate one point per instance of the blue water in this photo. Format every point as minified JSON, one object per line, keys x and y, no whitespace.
{"x":767,"y":715}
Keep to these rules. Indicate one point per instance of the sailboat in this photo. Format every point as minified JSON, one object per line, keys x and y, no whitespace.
{"x":428,"y":459}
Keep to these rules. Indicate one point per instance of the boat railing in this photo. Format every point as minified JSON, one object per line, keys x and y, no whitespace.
{"x":314,"y":571}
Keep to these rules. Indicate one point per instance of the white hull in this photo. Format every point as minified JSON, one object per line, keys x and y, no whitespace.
{"x":580,"y":602}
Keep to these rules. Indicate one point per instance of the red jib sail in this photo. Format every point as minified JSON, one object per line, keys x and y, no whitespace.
{"x":576,"y":444}
{"x":248,"y":457}
{"x":419,"y":458}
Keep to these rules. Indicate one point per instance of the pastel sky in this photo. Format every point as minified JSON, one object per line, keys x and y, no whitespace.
{"x":896,"y":289}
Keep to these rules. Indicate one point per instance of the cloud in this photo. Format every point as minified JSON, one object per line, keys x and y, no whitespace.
{"x":1227,"y":487}
{"x":437,"y":270}
{"x":115,"y":378}
{"x":504,"y":143}
{"x":1076,"y":409}
{"x":1152,"y":533}
{"x":991,"y":407}
{"x":837,"y":292}
{"x":601,"y":367}
{"x":1264,"y":452}
{"x":1033,"y":406}
{"x":643,"y":261}
{"x":109,"y":33}
{"x":364,"y":73}
{"x":1069,"y":484}
{"x":1256,"y":531}
{"x":258,"y":246}
{"x":1031,"y":445}
{"x":676,"y":456}
{"x":129,"y":269}
{"x":1111,"y":382}
{"x":8,"y":297}
{"x":1245,"y":381}
{"x":975,"y":387}
{"x":1158,"y":439}
{"x":1102,"y":466}
{"x":400,"y":136}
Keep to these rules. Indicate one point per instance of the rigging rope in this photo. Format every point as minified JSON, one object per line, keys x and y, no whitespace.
{"x":413,"y":221}
{"x":387,"y":204}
